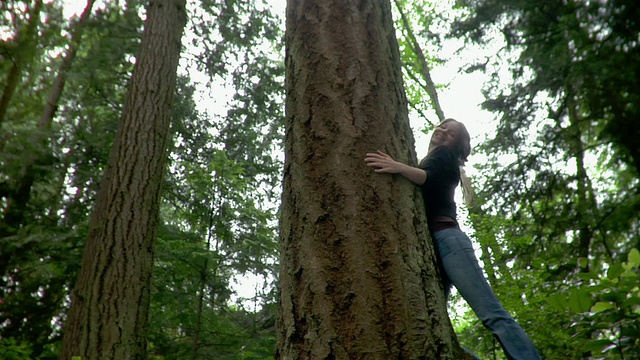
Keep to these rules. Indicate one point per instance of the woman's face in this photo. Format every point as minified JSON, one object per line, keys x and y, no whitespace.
{"x":446,"y":134}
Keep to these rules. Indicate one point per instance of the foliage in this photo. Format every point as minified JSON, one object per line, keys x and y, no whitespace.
{"x":41,"y":254}
{"x":420,"y":25}
{"x":552,"y":211}
{"x":607,"y":307}
{"x":220,"y":195}
{"x":46,"y":205}
{"x":10,"y":349}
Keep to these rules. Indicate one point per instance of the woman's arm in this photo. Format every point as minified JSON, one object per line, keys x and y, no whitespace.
{"x":385,"y":164}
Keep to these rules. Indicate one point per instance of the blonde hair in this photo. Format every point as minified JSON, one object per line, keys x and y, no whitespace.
{"x":464,"y":150}
{"x":467,"y":188}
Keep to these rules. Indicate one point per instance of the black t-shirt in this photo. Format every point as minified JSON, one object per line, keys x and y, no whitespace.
{"x":443,"y":176}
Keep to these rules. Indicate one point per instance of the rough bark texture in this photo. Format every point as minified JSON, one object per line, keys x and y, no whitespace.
{"x":110,"y":303}
{"x":358,"y":275}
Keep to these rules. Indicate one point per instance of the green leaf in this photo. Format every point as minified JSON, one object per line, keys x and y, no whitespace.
{"x":631,"y":332}
{"x":537,"y":263}
{"x":614,"y":296}
{"x":598,"y":346}
{"x":631,"y":302}
{"x":588,"y":276}
{"x":629,"y":274}
{"x":558,"y":301}
{"x":634,"y":258}
{"x":615,"y":271}
{"x":583,"y":262}
{"x":602,"y":306}
{"x":579,"y":301}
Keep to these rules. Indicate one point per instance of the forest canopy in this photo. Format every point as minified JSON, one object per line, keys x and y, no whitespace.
{"x":556,"y":176}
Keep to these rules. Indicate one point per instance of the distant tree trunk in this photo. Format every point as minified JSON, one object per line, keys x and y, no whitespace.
{"x":58,"y":83}
{"x":19,"y":195}
{"x":414,"y":45}
{"x":16,"y":195}
{"x":26,"y":48}
{"x":110,"y":302}
{"x":204,"y":273}
{"x":358,"y":274}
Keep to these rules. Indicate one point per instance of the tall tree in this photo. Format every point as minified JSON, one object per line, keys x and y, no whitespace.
{"x":222,"y":181}
{"x":110,"y":302}
{"x":39,"y":241}
{"x":358,"y":275}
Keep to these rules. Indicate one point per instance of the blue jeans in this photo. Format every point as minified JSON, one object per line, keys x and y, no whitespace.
{"x":461,"y":269}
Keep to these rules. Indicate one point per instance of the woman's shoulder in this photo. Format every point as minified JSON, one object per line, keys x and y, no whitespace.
{"x":442,"y":160}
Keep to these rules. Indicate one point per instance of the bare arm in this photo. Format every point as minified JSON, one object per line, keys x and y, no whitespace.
{"x":385,"y":164}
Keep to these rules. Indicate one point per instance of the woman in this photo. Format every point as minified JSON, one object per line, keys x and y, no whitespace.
{"x":438,"y":175}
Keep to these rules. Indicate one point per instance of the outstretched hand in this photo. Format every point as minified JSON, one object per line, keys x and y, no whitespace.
{"x":383,"y":162}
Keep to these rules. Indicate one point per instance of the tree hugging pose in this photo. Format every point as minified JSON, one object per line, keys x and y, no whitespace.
{"x":438,"y":176}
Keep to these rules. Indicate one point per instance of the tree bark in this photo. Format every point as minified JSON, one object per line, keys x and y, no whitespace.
{"x":358,"y":274}
{"x":110,"y":303}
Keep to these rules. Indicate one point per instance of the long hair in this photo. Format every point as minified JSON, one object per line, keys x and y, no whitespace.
{"x":462,"y":149}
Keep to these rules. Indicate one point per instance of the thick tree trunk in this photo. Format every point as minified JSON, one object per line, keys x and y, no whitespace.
{"x":110,"y":303}
{"x":358,"y":274}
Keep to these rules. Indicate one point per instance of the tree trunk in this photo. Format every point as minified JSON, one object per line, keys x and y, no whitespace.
{"x":16,"y":200}
{"x":110,"y":302}
{"x":16,"y":195}
{"x":414,"y":45}
{"x":26,"y":48}
{"x":358,"y":274}
{"x":57,"y":87}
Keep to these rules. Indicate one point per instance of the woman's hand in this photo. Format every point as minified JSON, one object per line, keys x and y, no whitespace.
{"x":385,"y":164}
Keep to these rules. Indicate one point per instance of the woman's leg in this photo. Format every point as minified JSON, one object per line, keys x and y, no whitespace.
{"x":462,"y":269}
{"x":446,"y":283}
